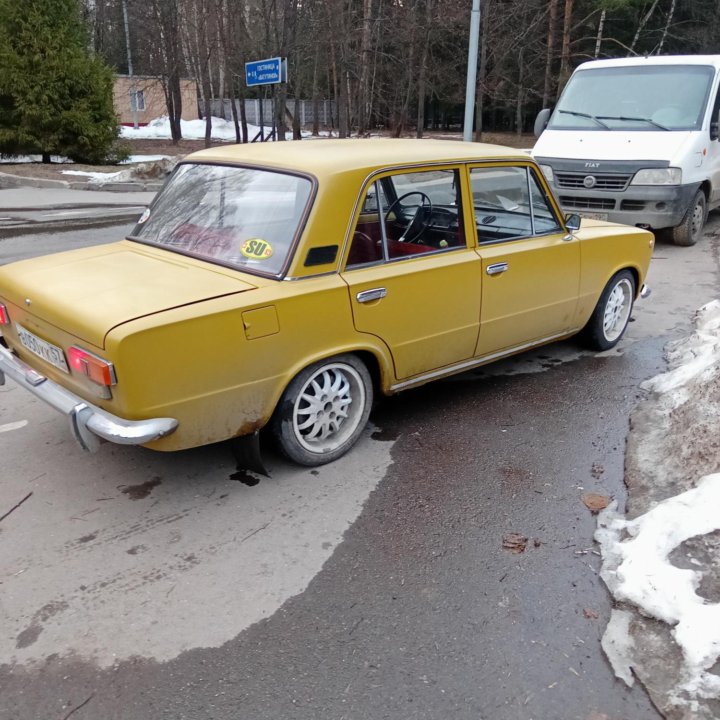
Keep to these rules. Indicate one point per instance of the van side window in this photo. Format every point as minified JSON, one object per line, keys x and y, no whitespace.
{"x":714,"y":117}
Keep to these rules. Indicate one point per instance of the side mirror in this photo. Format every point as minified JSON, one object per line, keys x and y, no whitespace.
{"x":541,"y":121}
{"x":572,"y":221}
{"x":715,"y":127}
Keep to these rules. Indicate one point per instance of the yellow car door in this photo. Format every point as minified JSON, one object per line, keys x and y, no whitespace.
{"x":413,"y":280}
{"x":530,"y":263}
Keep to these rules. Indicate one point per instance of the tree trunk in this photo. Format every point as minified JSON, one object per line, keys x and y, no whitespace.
{"x":565,"y":53}
{"x":519,"y":97}
{"x":422,"y":72}
{"x":316,"y":95}
{"x":343,"y":108}
{"x":550,"y":54}
{"x":280,"y":109}
{"x":668,"y":22}
{"x":243,"y":119}
{"x":601,"y":25}
{"x":641,"y":25}
{"x":207,"y":105}
{"x":365,"y":59}
{"x":234,"y":110}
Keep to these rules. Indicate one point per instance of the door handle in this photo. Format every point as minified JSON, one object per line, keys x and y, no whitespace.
{"x":370,"y":295}
{"x":496,"y":268}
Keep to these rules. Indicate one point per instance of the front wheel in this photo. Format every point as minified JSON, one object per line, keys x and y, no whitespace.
{"x":690,"y":230}
{"x":612,"y":312}
{"x":324,"y":410}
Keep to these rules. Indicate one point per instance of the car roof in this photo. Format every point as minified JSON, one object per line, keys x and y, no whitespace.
{"x":712,"y":60}
{"x":347,"y":155}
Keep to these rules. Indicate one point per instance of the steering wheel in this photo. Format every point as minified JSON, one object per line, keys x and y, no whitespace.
{"x":420,"y":219}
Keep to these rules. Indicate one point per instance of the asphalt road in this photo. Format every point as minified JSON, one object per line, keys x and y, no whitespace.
{"x":136,"y":585}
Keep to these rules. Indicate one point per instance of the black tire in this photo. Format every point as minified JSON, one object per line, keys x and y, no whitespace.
{"x":612,"y":313}
{"x":324,"y":410}
{"x":690,"y":230}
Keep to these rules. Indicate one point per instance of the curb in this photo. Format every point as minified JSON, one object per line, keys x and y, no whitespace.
{"x":14,"y":181}
{"x":78,"y":223}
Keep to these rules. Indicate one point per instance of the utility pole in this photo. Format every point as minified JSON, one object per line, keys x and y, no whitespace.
{"x":471,"y":71}
{"x":133,"y":84}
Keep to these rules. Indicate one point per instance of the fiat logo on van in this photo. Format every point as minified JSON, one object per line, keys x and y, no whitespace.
{"x":589,"y":181}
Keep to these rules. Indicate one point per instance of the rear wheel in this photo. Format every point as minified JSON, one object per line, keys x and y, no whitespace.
{"x":690,"y":230}
{"x":612,"y":312}
{"x":324,"y":410}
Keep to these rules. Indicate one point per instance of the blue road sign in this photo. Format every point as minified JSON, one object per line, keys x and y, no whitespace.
{"x":266,"y":72}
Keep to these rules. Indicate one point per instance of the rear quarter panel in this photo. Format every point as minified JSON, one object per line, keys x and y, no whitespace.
{"x":198,"y":365}
{"x":607,"y":248}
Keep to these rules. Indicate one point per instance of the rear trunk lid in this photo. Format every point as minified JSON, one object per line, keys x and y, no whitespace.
{"x":87,"y":292}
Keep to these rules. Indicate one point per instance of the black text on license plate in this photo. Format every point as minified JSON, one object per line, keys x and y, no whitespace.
{"x":47,"y":351}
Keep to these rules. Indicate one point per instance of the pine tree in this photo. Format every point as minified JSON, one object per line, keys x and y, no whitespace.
{"x":55,"y":96}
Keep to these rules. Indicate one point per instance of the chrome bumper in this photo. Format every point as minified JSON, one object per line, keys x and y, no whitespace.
{"x":645,"y":291}
{"x":89,"y":423}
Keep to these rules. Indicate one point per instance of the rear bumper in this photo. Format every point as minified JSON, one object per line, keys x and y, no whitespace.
{"x":89,"y":423}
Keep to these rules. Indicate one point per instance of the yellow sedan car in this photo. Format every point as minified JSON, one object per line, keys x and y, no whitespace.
{"x":282,"y":285}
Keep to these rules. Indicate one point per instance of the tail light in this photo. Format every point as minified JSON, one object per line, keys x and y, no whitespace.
{"x":98,"y":370}
{"x":4,"y":316}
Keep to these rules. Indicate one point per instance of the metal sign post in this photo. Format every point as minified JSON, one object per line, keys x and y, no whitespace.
{"x":271,"y":71}
{"x":471,"y":71}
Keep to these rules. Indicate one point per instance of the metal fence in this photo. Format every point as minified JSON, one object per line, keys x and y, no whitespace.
{"x":256,"y":108}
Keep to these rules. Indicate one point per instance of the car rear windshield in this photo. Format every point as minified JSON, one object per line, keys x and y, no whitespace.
{"x":243,"y":217}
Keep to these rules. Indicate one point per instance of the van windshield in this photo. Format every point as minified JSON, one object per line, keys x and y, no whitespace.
{"x":658,"y":97}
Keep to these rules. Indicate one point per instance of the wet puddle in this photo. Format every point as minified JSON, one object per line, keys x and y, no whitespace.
{"x":141,"y":491}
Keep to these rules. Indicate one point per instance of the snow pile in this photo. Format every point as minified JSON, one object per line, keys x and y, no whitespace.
{"x":159,"y":129}
{"x":191,"y":130}
{"x":692,"y":357}
{"x":636,"y":565}
{"x":637,"y":571}
{"x":155,"y":170}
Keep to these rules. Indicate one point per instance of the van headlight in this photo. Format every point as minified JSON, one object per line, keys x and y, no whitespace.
{"x":658,"y":176}
{"x":547,"y":172}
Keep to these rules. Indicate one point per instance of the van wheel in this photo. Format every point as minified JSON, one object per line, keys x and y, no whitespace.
{"x":612,"y":313}
{"x":690,"y":230}
{"x":324,"y":410}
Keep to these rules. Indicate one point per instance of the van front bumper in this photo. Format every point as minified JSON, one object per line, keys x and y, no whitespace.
{"x":89,"y":424}
{"x":657,"y":206}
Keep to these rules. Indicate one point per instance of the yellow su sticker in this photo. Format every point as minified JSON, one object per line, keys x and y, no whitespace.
{"x":256,"y":249}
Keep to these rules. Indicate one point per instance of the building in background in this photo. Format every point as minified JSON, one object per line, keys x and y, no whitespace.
{"x":147,"y":92}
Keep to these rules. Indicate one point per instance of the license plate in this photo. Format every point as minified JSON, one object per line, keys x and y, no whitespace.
{"x":45,"y":350}
{"x":594,"y":216}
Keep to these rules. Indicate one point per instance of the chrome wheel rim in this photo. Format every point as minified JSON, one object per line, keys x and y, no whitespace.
{"x":617,"y":310}
{"x":329,"y":408}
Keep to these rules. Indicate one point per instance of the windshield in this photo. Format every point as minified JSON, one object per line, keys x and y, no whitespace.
{"x":659,"y":97}
{"x":242,"y":217}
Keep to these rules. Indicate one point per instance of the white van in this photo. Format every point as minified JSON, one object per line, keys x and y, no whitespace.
{"x":635,"y":141}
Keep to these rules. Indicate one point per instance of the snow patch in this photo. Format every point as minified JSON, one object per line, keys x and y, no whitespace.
{"x":159,"y":128}
{"x":637,"y":571}
{"x":617,"y":644}
{"x":97,"y":176}
{"x":693,"y":356}
{"x":636,"y":566}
